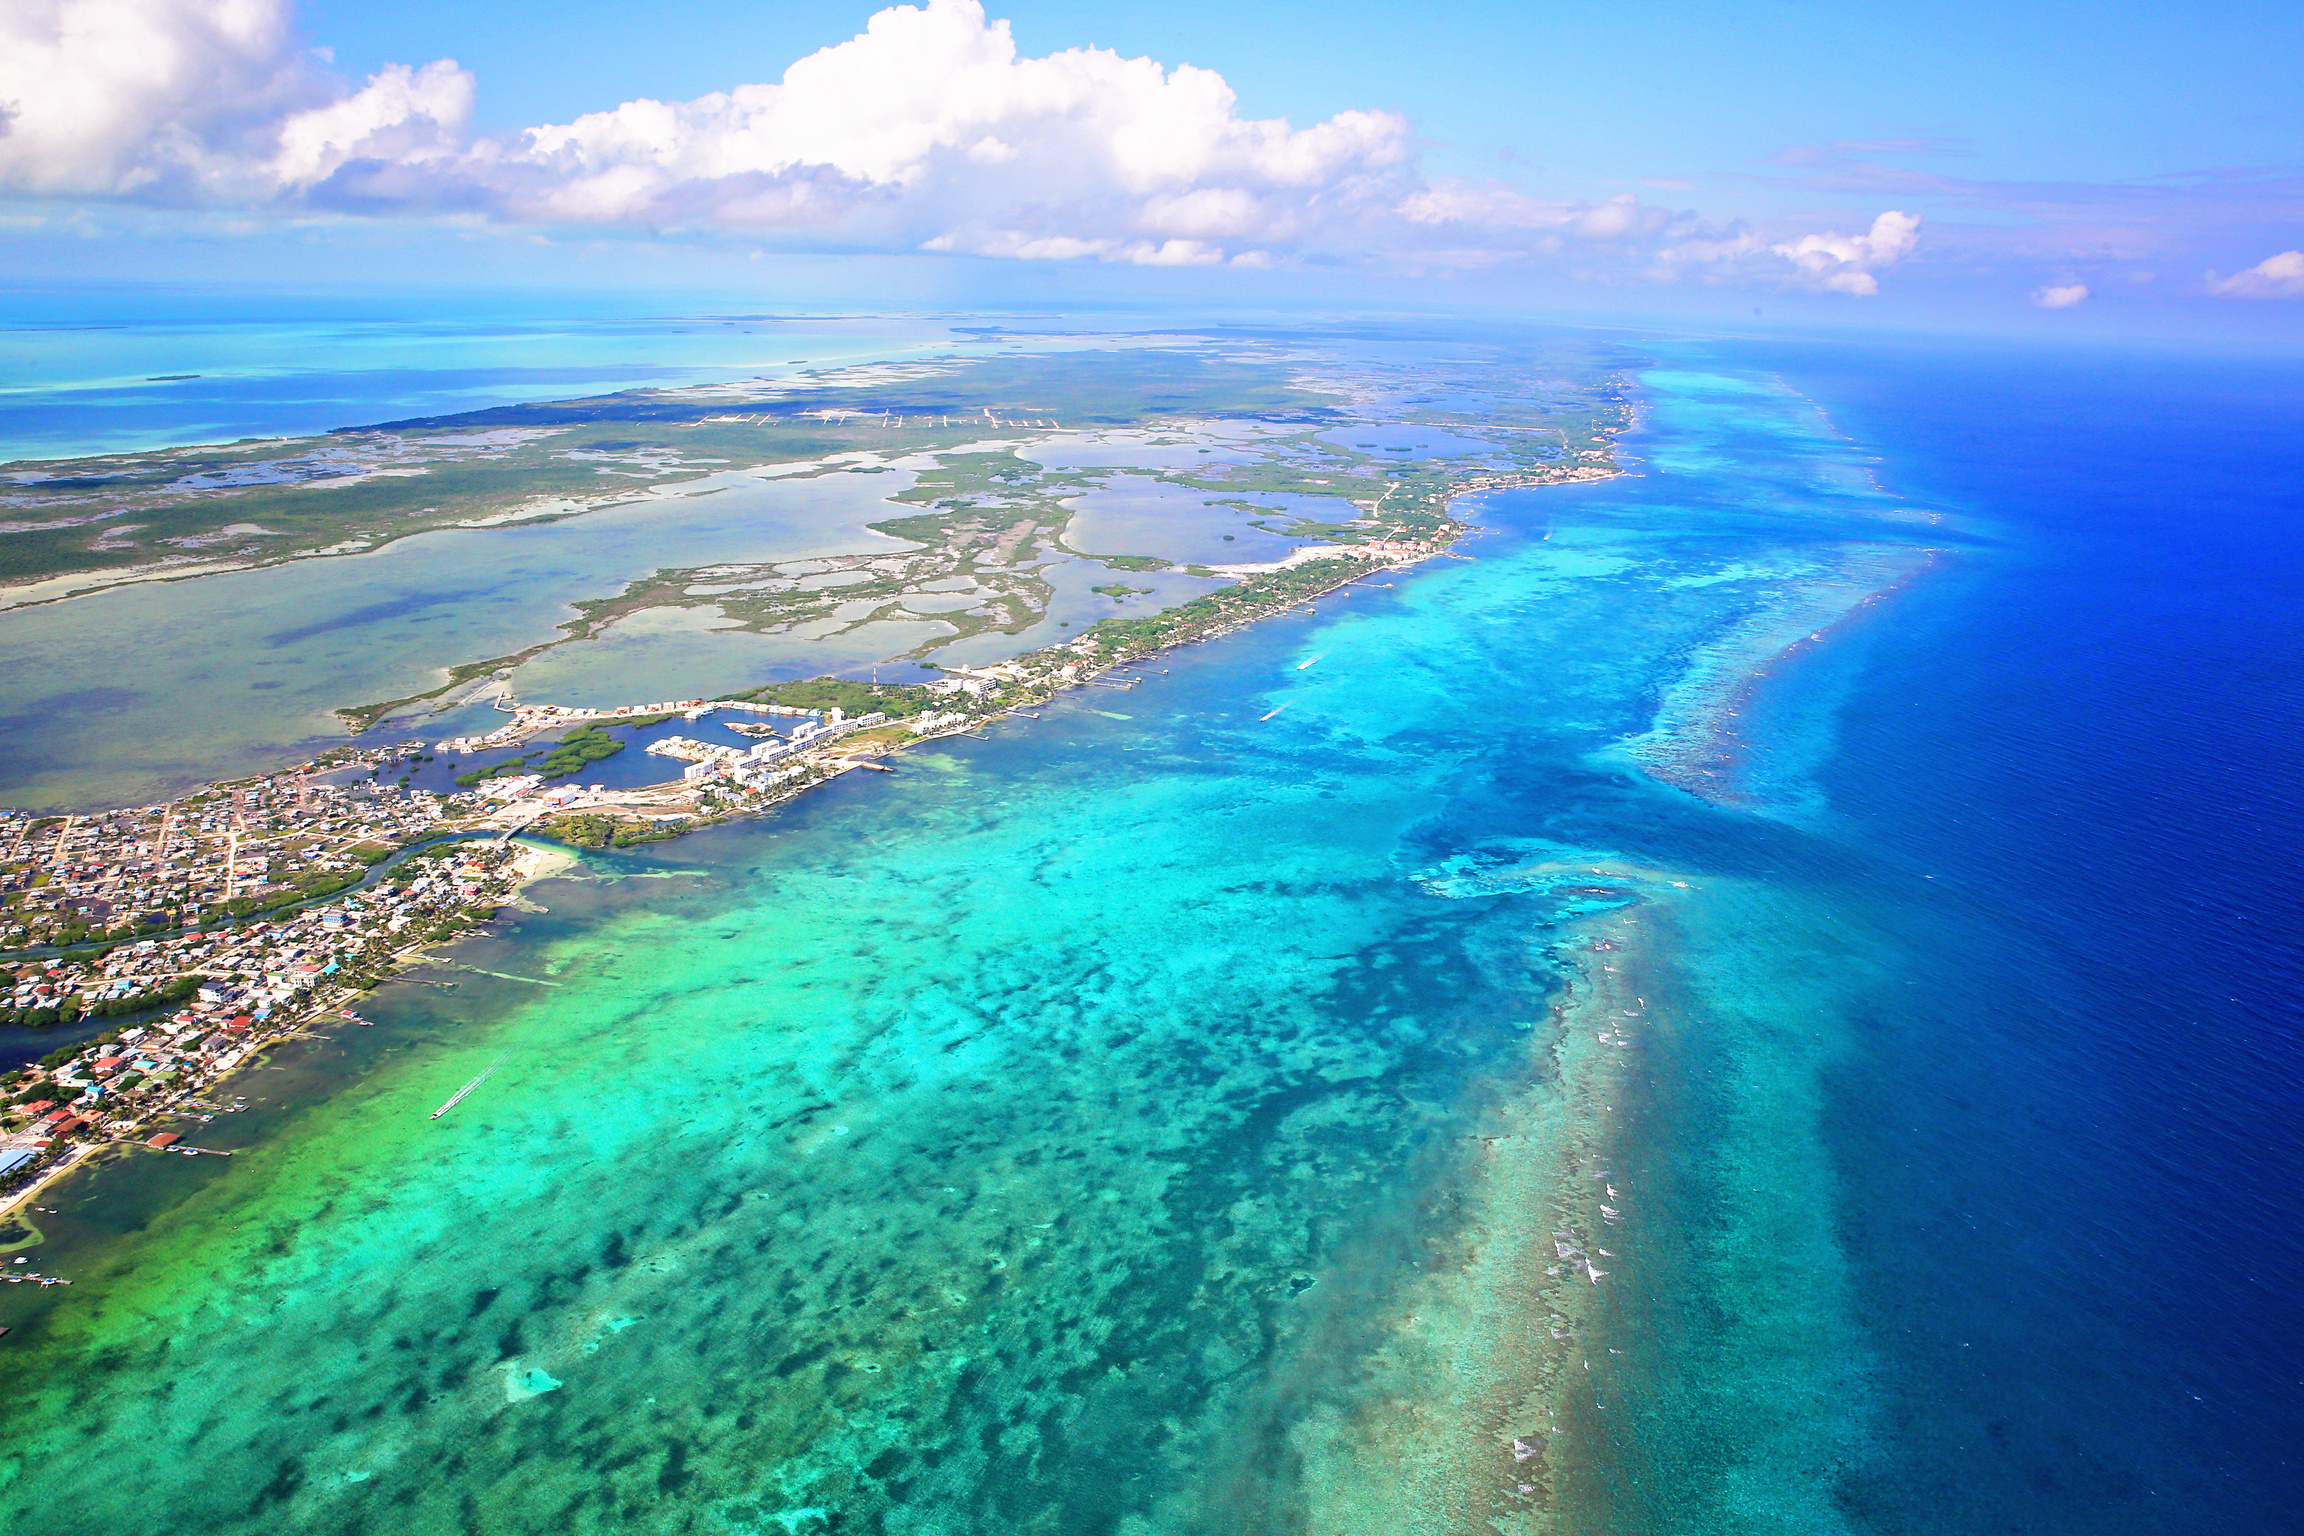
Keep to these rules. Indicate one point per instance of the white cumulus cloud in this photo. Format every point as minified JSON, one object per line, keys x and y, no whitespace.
{"x":2275,"y":277}
{"x":110,"y":97}
{"x":930,"y":125}
{"x":199,"y":101}
{"x":2060,"y":295}
{"x":929,"y":130}
{"x":404,"y":116}
{"x":1846,"y":263}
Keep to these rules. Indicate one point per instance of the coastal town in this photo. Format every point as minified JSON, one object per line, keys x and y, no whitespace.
{"x":196,"y":1005}
{"x":170,"y":945}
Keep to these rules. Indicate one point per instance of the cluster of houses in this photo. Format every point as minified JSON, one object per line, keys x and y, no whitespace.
{"x":64,"y":877}
{"x":751,"y":765}
{"x":213,"y":997}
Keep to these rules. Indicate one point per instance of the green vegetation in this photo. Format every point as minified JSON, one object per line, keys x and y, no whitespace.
{"x":1256,"y":595}
{"x":579,"y":831}
{"x":415,"y":864}
{"x":309,"y":886}
{"x":557,"y":450}
{"x":592,"y":831}
{"x":505,"y":769}
{"x":167,"y":996}
{"x":976,"y":517}
{"x":578,"y":750}
{"x":895,"y":700}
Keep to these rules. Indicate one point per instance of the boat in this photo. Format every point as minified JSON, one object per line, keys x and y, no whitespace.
{"x":457,"y":1097}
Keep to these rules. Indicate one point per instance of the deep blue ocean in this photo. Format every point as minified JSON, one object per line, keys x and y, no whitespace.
{"x":2075,"y":1179}
{"x":2044,"y":831}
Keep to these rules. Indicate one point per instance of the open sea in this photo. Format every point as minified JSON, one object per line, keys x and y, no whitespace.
{"x":1766,"y":1000}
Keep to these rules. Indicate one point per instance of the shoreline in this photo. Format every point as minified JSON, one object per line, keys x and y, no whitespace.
{"x":1527,"y":1417}
{"x":1091,"y":661}
{"x":1108,"y":647}
{"x":1544,"y":1161}
{"x":357,"y":720}
{"x":1531,"y":1408}
{"x":529,"y":865}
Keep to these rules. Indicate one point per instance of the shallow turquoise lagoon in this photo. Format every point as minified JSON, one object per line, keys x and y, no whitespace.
{"x":1161,"y":1117}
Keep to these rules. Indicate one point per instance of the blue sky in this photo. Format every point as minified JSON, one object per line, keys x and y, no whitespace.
{"x":1584,"y":92}
{"x":2043,"y":165}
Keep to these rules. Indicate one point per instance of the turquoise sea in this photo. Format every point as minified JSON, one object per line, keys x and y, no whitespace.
{"x":1666,"y":1025}
{"x":91,"y":370}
